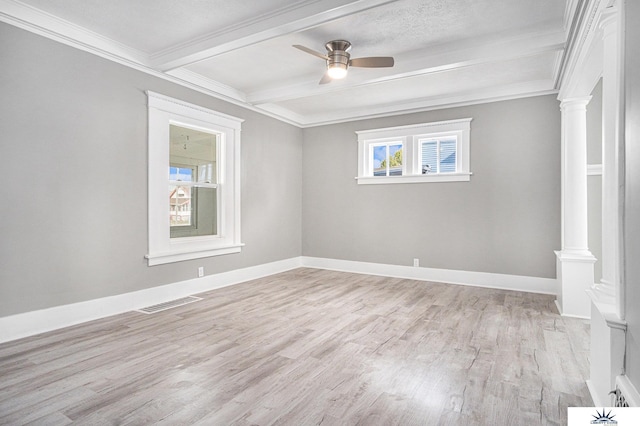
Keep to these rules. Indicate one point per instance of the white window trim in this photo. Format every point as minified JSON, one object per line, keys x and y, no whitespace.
{"x":410,"y":135}
{"x":164,"y":110}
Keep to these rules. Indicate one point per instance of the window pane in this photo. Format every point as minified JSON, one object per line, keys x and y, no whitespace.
{"x":180,"y":205}
{"x":206,"y":201}
{"x":183,"y":174}
{"x":395,"y":160}
{"x":193,"y":211}
{"x":194,"y":149}
{"x":448,"y":156}
{"x":207,"y":173}
{"x":429,"y":161}
{"x":379,"y":160}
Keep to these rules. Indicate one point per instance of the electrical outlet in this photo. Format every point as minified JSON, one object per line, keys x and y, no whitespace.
{"x":416,"y":262}
{"x":201,"y":271}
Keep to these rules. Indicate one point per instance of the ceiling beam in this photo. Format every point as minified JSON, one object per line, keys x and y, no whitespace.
{"x":299,"y":17}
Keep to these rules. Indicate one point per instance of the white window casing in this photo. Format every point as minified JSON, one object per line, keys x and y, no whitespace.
{"x":411,"y":136}
{"x":163,"y":111}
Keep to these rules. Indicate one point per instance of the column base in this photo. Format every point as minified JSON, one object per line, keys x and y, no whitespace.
{"x":575,"y":276}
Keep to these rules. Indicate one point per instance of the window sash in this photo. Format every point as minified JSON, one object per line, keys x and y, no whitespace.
{"x":386,"y":159}
{"x":447,"y":140}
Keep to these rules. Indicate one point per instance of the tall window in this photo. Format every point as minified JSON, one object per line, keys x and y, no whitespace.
{"x":194,"y":181}
{"x":428,"y":152}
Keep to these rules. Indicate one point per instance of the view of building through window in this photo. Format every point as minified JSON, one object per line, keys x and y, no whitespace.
{"x":438,"y":155}
{"x":180,"y":196}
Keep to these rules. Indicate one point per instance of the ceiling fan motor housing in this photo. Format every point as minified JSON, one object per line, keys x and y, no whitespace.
{"x":338,"y":53}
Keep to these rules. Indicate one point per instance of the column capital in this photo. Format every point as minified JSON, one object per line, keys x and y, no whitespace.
{"x":575,"y":255}
{"x":576,"y":102}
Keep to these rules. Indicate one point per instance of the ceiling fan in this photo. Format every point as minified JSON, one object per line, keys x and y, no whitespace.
{"x":338,"y":60}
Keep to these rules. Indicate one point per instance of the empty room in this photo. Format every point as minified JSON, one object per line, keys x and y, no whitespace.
{"x":303,"y":212}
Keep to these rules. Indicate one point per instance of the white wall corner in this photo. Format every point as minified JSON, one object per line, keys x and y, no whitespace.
{"x":26,"y":324}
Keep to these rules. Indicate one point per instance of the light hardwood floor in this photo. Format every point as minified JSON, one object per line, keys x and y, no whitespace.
{"x":309,"y":347}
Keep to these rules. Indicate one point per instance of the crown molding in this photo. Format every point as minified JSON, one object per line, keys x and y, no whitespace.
{"x":581,"y":40}
{"x":45,"y":24}
{"x":196,"y":79}
{"x":283,"y":114}
{"x":481,"y":96}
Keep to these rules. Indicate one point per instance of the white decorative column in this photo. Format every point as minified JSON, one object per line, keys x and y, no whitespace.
{"x":574,"y":261}
{"x":607,"y":314}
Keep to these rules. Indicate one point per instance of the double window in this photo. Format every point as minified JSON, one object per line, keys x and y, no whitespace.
{"x":194,"y":181}
{"x":428,"y":152}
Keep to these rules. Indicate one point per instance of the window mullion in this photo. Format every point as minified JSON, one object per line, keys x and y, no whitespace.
{"x":387,"y":158}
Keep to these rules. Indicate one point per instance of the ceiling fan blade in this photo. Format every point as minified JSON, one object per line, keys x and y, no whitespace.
{"x":325,"y":79}
{"x":372,"y":62}
{"x":311,"y":51}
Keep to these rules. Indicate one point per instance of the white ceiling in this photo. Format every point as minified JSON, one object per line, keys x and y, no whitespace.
{"x":447,"y":52}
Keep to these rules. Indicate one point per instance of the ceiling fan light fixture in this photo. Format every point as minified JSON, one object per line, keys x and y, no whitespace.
{"x":337,"y":70}
{"x":339,"y":60}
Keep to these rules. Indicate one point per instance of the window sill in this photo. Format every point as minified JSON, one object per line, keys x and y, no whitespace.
{"x":179,"y":256}
{"x":448,"y":177}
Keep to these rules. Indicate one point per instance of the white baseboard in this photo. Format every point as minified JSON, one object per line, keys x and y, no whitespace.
{"x":31,"y":323}
{"x":476,"y":279}
{"x":629,"y":391}
{"x":568,"y":315}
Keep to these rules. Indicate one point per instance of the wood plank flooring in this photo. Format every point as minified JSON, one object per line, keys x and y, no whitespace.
{"x":309,"y":347}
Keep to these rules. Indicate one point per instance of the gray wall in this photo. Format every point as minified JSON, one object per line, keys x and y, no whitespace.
{"x":632,"y":190}
{"x":505,"y":220}
{"x":594,"y":183}
{"x":73,"y":154}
